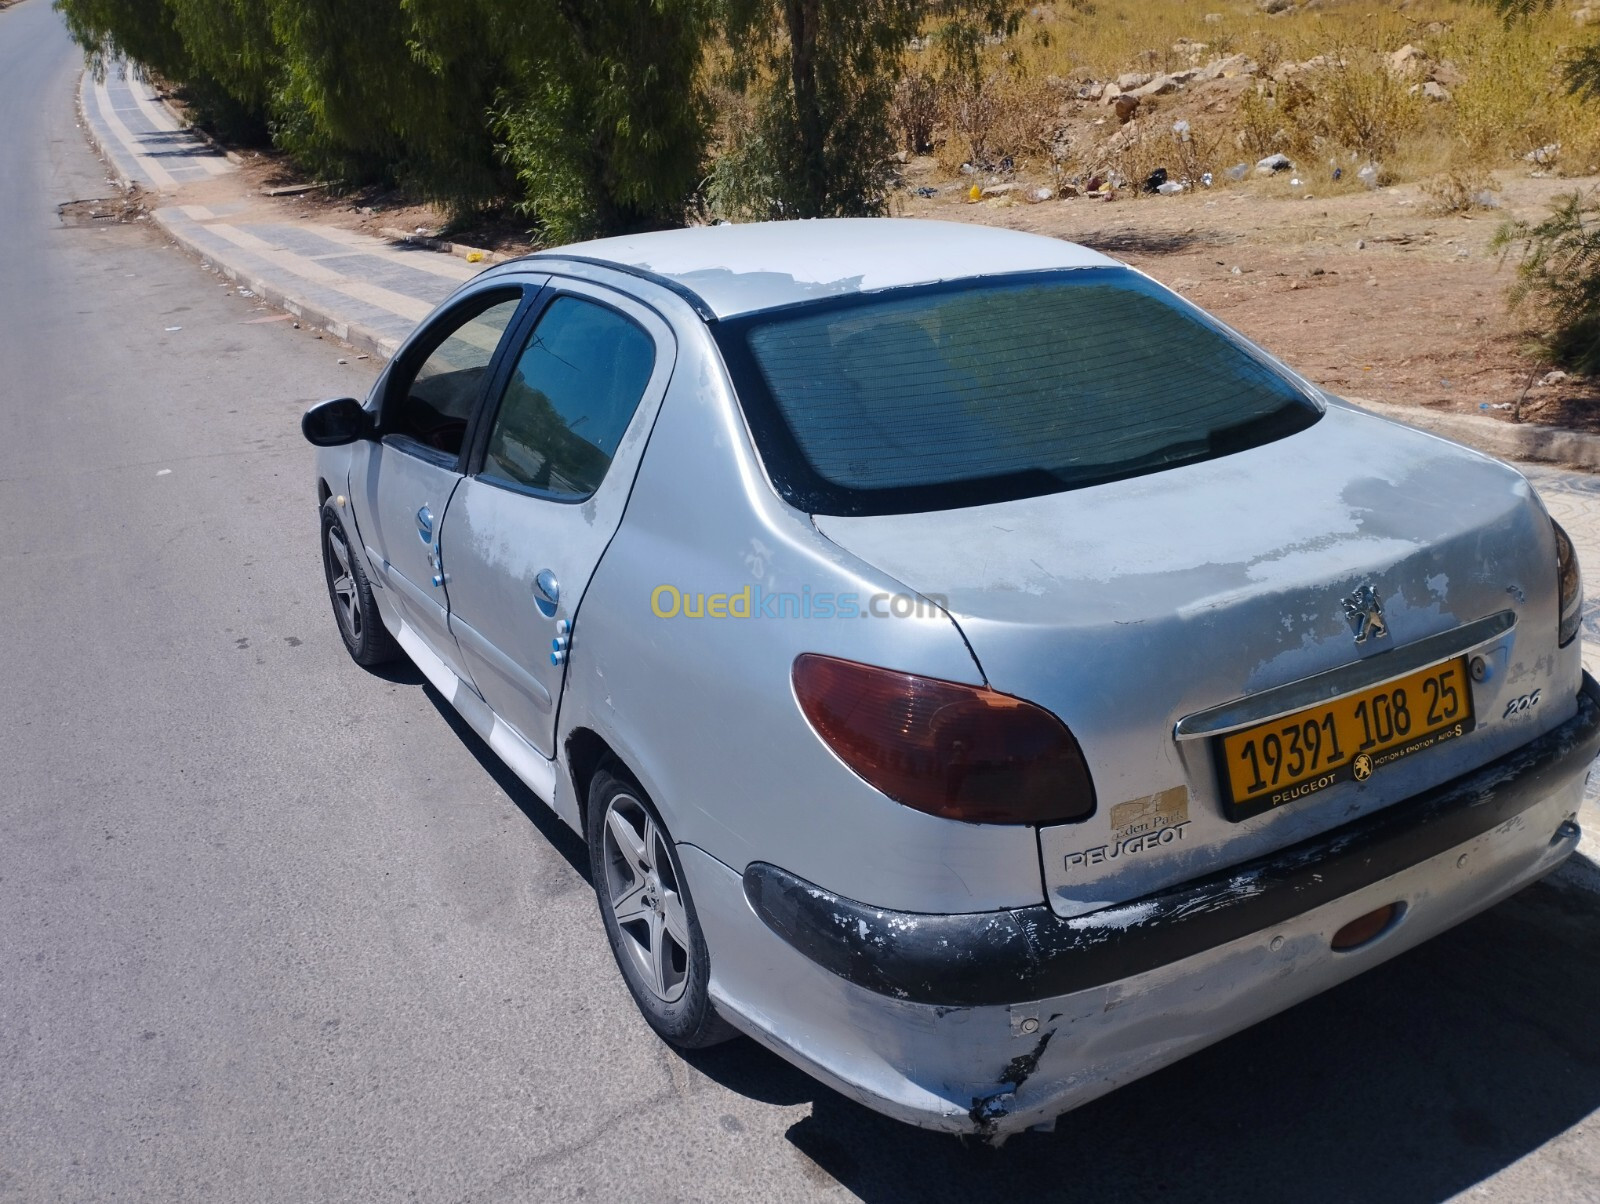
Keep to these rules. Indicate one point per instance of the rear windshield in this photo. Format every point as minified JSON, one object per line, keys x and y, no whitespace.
{"x":985,"y":390}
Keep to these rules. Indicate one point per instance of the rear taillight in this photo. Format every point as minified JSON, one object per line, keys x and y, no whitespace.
{"x":960,"y":752}
{"x":1571,"y":586}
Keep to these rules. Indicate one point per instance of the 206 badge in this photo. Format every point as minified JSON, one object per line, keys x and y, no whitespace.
{"x":1364,"y":613}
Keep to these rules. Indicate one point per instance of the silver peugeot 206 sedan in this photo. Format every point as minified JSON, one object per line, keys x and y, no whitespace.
{"x":979,"y":675}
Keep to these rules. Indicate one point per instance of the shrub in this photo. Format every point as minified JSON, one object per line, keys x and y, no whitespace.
{"x":1559,"y":277}
{"x":1461,"y":189}
{"x":916,"y":111}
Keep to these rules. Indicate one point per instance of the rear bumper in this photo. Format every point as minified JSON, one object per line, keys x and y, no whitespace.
{"x":992,"y":1023}
{"x":1029,"y":953}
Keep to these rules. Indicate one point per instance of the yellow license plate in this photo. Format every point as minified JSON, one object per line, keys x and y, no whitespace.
{"x":1352,"y":737}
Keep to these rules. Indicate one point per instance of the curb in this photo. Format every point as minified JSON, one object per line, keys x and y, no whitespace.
{"x":357,"y":337}
{"x":1510,"y":441}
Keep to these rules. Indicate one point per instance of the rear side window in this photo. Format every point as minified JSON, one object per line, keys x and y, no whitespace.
{"x":955,"y":395}
{"x":570,"y":398}
{"x":433,"y":406}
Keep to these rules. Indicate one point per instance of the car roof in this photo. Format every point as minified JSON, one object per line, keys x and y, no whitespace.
{"x":739,"y":269}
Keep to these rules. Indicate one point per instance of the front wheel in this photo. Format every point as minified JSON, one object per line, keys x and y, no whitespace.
{"x":360,"y":626}
{"x":649,"y":917}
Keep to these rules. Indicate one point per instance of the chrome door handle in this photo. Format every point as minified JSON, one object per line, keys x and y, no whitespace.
{"x":546,"y":593}
{"x":425,"y":524}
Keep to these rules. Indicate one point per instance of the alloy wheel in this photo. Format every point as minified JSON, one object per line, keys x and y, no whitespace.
{"x":645,"y":897}
{"x":342,"y":581}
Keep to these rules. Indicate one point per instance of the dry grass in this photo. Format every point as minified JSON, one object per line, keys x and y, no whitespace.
{"x":1506,"y":94}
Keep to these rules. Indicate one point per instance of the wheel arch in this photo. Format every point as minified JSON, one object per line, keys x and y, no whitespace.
{"x":587,"y":750}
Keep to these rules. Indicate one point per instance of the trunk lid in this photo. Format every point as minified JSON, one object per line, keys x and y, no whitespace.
{"x":1127,"y":607}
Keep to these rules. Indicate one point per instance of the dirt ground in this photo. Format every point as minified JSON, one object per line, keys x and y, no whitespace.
{"x":1370,"y":294}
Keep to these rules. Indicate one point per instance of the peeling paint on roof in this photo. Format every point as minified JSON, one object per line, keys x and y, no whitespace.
{"x":739,"y":269}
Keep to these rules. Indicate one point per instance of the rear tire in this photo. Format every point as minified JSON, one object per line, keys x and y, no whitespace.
{"x":649,"y":917}
{"x":360,"y":626}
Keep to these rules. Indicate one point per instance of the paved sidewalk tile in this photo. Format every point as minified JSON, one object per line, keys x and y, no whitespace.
{"x":361,"y":289}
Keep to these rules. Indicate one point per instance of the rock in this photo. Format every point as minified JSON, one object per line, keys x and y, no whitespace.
{"x":1109,"y":93}
{"x":1159,"y":86}
{"x":1447,"y":73}
{"x":1273,"y":163}
{"x":1274,"y":6}
{"x":998,"y":190}
{"x":1091,"y":91}
{"x":1212,"y":18}
{"x":1587,"y":15}
{"x":1435,"y":92}
{"x":1130,"y":80}
{"x":1407,"y":61}
{"x":1226,"y":68}
{"x":1127,"y":106}
{"x":1553,"y":378}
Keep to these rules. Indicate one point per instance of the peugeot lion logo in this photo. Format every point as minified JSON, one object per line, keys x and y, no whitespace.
{"x":1364,"y":613}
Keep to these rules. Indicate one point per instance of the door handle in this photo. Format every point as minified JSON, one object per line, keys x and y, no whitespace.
{"x":425,"y":524}
{"x":546,"y":593}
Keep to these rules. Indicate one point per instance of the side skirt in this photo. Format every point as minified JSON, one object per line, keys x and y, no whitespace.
{"x":537,"y":771}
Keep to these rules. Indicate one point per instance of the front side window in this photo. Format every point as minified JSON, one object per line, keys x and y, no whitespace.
{"x":433,"y":405}
{"x":570,"y":398}
{"x":958,"y":394}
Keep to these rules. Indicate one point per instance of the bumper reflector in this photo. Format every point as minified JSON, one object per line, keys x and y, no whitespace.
{"x":1369,"y":927}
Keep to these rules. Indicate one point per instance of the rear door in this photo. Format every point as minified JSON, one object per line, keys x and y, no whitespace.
{"x":429,"y":397}
{"x":550,"y":474}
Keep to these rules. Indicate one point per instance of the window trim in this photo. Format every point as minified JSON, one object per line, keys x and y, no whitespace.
{"x":404,"y":367}
{"x":792,"y":477}
{"x":489,"y":407}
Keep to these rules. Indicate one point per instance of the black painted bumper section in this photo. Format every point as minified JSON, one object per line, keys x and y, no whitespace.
{"x":1029,"y":953}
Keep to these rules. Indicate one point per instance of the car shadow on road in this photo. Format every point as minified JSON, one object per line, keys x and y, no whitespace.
{"x":550,"y":825}
{"x":1410,"y":1083}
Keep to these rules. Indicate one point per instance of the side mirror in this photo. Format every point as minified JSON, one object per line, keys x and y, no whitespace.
{"x":335,"y":423}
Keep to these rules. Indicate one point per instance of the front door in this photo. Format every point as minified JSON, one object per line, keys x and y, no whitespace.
{"x":414,"y":468}
{"x":550,"y":479}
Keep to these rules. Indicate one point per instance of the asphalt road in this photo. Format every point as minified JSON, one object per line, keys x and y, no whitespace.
{"x":274,"y":928}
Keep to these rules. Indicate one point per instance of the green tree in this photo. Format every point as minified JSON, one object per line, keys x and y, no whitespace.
{"x":820,"y":76}
{"x":160,"y":35}
{"x":373,"y":90}
{"x":604,"y":120}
